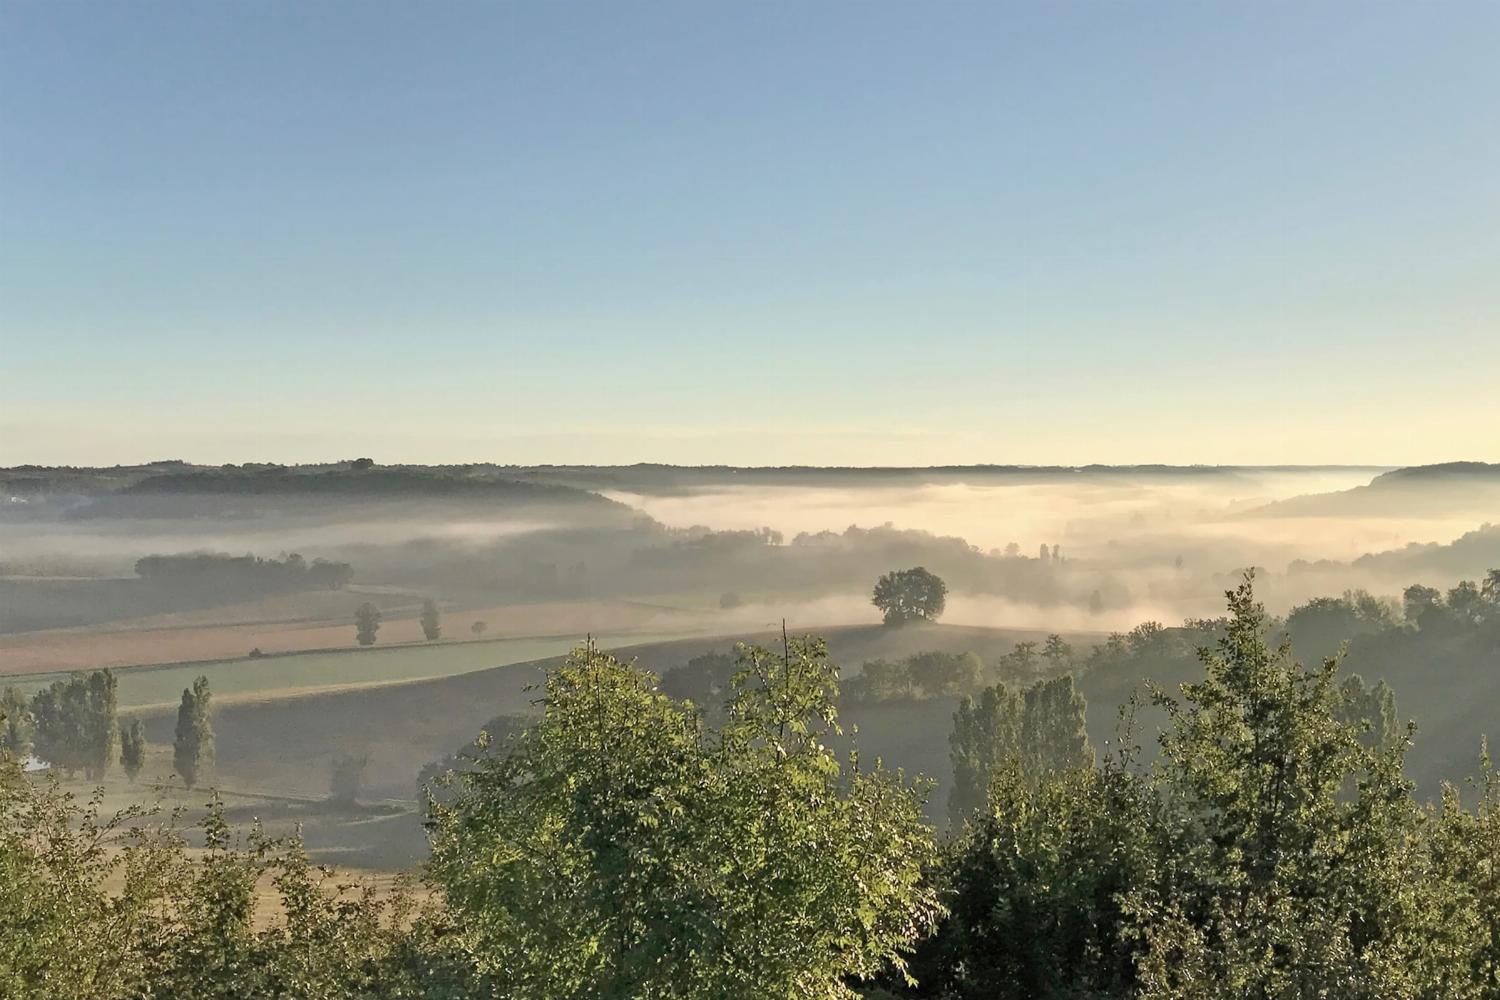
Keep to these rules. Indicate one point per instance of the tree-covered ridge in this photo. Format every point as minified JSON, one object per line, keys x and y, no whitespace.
{"x":372,"y":482}
{"x":247,"y":572}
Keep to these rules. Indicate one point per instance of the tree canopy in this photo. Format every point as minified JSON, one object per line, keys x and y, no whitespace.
{"x":908,"y":595}
{"x":619,"y":848}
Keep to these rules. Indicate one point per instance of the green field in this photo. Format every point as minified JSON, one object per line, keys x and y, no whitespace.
{"x":157,"y":686}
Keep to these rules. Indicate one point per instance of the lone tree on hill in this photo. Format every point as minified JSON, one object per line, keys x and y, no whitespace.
{"x":367,"y":619}
{"x":478,"y":628}
{"x":432,"y":622}
{"x":193,"y":749}
{"x":133,"y":748}
{"x":909,"y":595}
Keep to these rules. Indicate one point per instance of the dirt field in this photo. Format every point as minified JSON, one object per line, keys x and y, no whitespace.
{"x":225,"y":633}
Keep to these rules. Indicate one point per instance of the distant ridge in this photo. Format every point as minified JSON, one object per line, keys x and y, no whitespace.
{"x":373,"y":482}
{"x":1482,"y":471}
{"x":1449,"y":487}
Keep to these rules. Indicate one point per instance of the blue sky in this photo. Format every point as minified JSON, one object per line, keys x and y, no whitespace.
{"x":758,"y":233}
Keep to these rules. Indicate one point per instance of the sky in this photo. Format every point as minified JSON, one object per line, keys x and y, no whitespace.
{"x":760,"y":233}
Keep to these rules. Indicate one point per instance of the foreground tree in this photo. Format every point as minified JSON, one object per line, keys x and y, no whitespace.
{"x":367,"y":619}
{"x":432,"y":622}
{"x":1274,"y":851}
{"x":1035,"y":888}
{"x":104,"y":908}
{"x":193,"y":746}
{"x":907,"y":595}
{"x":1306,"y":875}
{"x":619,"y":849}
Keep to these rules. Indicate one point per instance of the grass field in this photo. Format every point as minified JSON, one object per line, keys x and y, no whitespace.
{"x":281,"y":677}
{"x":281,"y":723}
{"x":276,"y":739}
{"x":312,"y":621}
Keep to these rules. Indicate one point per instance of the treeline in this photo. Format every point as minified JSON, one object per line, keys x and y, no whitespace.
{"x":73,"y":725}
{"x":222,"y":571}
{"x":623,"y":845}
{"x":357,"y":480}
{"x":937,"y":674}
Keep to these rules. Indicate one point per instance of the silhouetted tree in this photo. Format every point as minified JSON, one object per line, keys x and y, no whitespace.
{"x":1417,"y":601}
{"x":367,"y":619}
{"x":193,"y":746}
{"x":910,"y":595}
{"x":478,"y":628}
{"x":986,"y":736}
{"x":347,"y":779}
{"x":432,"y":623}
{"x":1053,"y":734}
{"x":133,"y":748}
{"x":16,"y":725}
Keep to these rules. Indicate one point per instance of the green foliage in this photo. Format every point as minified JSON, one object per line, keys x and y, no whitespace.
{"x":940,"y":674}
{"x":908,"y":595}
{"x":1053,"y":734}
{"x":133,"y":748}
{"x":986,"y":738}
{"x":1274,"y":851}
{"x":367,"y":619}
{"x":1371,"y":712}
{"x":1058,"y":653}
{"x":193,"y":745}
{"x":1318,"y":628}
{"x":1418,"y":600}
{"x":706,"y":681}
{"x":1035,"y":889}
{"x":619,"y":849}
{"x":1032,"y":733}
{"x":431,"y":621}
{"x":930,"y":674}
{"x":75,"y":723}
{"x":98,"y":908}
{"x":17,"y":727}
{"x":1302,"y":873}
{"x":1465,"y":848}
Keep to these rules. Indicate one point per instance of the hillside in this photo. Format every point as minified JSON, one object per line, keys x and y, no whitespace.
{"x":1430,"y":490}
{"x":287,"y":745}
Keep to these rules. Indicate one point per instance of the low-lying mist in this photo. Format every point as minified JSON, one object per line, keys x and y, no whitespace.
{"x":1086,"y":550}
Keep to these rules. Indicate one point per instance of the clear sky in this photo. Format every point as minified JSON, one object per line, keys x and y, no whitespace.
{"x":754,"y":233}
